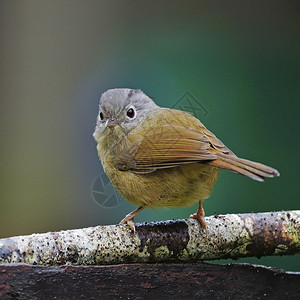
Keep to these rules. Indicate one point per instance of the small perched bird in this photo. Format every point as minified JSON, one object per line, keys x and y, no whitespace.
{"x":162,"y":157}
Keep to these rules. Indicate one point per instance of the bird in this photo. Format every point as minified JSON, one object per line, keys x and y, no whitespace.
{"x":162,"y":157}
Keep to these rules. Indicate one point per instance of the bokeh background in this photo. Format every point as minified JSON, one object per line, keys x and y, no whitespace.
{"x":240,"y":59}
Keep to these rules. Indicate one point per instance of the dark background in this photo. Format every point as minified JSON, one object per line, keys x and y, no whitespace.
{"x":240,"y":60}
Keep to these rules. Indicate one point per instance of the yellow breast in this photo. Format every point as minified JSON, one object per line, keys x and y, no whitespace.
{"x":174,"y":187}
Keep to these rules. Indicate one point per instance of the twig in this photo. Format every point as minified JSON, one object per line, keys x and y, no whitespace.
{"x":228,"y":236}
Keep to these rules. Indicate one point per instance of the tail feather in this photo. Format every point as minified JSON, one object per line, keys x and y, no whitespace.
{"x":254,"y":170}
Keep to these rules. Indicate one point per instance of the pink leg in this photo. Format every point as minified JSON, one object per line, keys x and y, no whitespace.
{"x":199,"y":215}
{"x":129,"y":219}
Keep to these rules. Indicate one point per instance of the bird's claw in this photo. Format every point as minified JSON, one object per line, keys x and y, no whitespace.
{"x":199,"y":215}
{"x":130,"y":222}
{"x":200,"y":218}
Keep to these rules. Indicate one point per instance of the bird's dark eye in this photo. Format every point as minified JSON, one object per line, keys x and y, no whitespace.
{"x":130,"y":113}
{"x":101,"y":116}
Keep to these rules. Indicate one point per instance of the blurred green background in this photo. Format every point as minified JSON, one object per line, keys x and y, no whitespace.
{"x":240,"y":59}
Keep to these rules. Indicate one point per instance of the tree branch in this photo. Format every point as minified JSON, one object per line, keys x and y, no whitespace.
{"x":147,"y":281}
{"x":228,"y":236}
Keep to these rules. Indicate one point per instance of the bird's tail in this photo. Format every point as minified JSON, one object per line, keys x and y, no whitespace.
{"x":254,"y":170}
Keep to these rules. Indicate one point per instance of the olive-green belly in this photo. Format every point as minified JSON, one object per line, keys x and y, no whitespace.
{"x":174,"y":187}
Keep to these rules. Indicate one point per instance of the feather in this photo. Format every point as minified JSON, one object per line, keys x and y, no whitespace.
{"x":176,"y":138}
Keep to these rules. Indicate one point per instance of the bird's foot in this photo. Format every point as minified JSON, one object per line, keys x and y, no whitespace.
{"x":200,"y":218}
{"x":129,"y":220}
{"x":199,"y":215}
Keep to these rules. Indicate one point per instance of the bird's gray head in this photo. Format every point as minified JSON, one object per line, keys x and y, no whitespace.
{"x":123,"y":108}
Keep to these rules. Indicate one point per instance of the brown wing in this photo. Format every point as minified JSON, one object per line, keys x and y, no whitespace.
{"x":216,"y":143}
{"x":169,"y":144}
{"x":166,"y":146}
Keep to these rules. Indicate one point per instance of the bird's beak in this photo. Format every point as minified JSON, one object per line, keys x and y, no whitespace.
{"x":111,"y":122}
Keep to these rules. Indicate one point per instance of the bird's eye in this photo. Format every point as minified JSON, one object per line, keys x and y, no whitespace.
{"x":130,"y":113}
{"x":101,"y":116}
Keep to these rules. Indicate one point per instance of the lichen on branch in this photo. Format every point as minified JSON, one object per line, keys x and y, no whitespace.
{"x":228,"y":236}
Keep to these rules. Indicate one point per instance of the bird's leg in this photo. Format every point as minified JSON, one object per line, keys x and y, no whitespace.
{"x":199,"y":215}
{"x":129,"y":219}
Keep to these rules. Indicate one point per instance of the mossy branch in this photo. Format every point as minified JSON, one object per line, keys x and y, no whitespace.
{"x":228,"y":236}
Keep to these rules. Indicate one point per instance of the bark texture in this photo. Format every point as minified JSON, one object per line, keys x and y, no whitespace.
{"x":147,"y":281}
{"x":228,"y":236}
